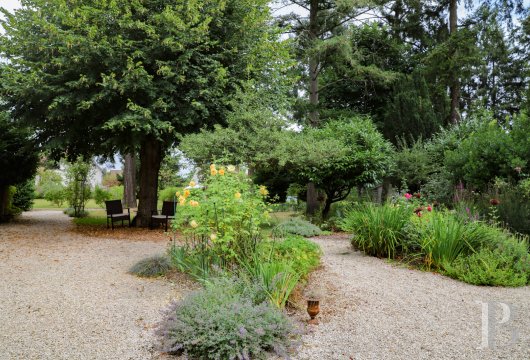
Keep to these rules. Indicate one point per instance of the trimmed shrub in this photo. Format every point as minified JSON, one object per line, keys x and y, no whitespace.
{"x":151,"y":267}
{"x":297,"y":226}
{"x":378,"y":230}
{"x":224,"y":321}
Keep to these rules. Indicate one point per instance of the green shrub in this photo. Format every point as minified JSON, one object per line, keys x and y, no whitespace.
{"x":297,"y":226}
{"x":116,"y":192}
{"x":23,"y":197}
{"x":101,"y":195}
{"x":151,"y":267}
{"x":224,"y":321}
{"x":492,"y":267}
{"x":377,"y":230}
{"x":224,"y":218}
{"x":55,"y":194}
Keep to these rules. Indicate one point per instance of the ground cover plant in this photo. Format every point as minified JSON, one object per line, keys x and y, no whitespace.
{"x":441,"y":240}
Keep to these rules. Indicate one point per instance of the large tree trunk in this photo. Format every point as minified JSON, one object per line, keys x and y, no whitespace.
{"x":129,"y":181}
{"x":312,"y":203}
{"x":455,"y":81}
{"x":4,"y":196}
{"x":150,"y":159}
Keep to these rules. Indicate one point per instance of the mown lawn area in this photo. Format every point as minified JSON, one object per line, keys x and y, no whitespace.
{"x":45,"y":204}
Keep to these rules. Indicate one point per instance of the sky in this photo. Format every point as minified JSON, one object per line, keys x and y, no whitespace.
{"x":10,"y":4}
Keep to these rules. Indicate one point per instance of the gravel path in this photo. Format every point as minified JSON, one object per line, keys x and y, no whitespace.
{"x":375,"y":310}
{"x":66,"y":295}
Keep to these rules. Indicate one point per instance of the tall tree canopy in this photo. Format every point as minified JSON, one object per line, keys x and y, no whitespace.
{"x":97,"y":77}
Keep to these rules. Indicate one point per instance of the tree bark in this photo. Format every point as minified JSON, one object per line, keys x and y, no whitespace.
{"x":455,"y":81}
{"x":129,"y":181}
{"x":312,"y":203}
{"x":150,"y":159}
{"x":4,"y":195}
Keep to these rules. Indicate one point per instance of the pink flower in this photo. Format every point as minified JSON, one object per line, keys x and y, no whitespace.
{"x":429,"y":208}
{"x":408,"y":196}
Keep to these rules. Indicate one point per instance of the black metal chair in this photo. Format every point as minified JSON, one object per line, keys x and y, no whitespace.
{"x":115,"y":213}
{"x":164,"y":216}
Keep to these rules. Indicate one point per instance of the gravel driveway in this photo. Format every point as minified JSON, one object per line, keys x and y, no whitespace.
{"x":375,"y":310}
{"x":65,"y":295}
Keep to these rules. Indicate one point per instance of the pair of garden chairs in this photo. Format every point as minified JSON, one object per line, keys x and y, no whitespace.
{"x":116,"y":213}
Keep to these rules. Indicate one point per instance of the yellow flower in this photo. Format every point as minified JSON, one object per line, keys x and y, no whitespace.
{"x":182,"y":200}
{"x":231,"y":168}
{"x":213,"y":237}
{"x":192,"y":183}
{"x":237,"y":195}
{"x":177,"y":194}
{"x":194,"y":203}
{"x":213,"y":172}
{"x":263,"y":190}
{"x":212,"y":167}
{"x":186,"y":193}
{"x":221,"y":172}
{"x":193,"y":224}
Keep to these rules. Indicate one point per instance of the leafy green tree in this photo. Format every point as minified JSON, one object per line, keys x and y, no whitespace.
{"x":108,"y":76}
{"x":342,"y":154}
{"x":18,"y":160}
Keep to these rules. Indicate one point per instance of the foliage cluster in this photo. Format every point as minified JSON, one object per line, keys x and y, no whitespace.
{"x":296,"y":226}
{"x":226,"y":320}
{"x":441,"y":240}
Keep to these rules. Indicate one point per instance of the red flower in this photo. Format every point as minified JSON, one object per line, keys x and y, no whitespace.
{"x":419,"y":213}
{"x":429,"y":208}
{"x":495,"y":202}
{"x":418,"y":195}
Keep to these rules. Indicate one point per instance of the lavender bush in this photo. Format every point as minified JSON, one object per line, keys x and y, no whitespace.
{"x":225,"y":320}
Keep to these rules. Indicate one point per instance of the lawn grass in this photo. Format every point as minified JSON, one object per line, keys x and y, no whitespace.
{"x":45,"y":204}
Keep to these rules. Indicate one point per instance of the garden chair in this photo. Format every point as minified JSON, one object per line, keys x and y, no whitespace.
{"x":165,"y":215}
{"x":115,"y":213}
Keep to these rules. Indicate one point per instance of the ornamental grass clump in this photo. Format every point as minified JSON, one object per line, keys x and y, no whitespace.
{"x":151,"y":267}
{"x":225,"y":320}
{"x":377,"y":230}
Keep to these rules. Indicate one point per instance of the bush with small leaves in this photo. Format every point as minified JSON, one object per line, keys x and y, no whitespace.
{"x":297,"y":226}
{"x":151,"y":267}
{"x":224,"y":321}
